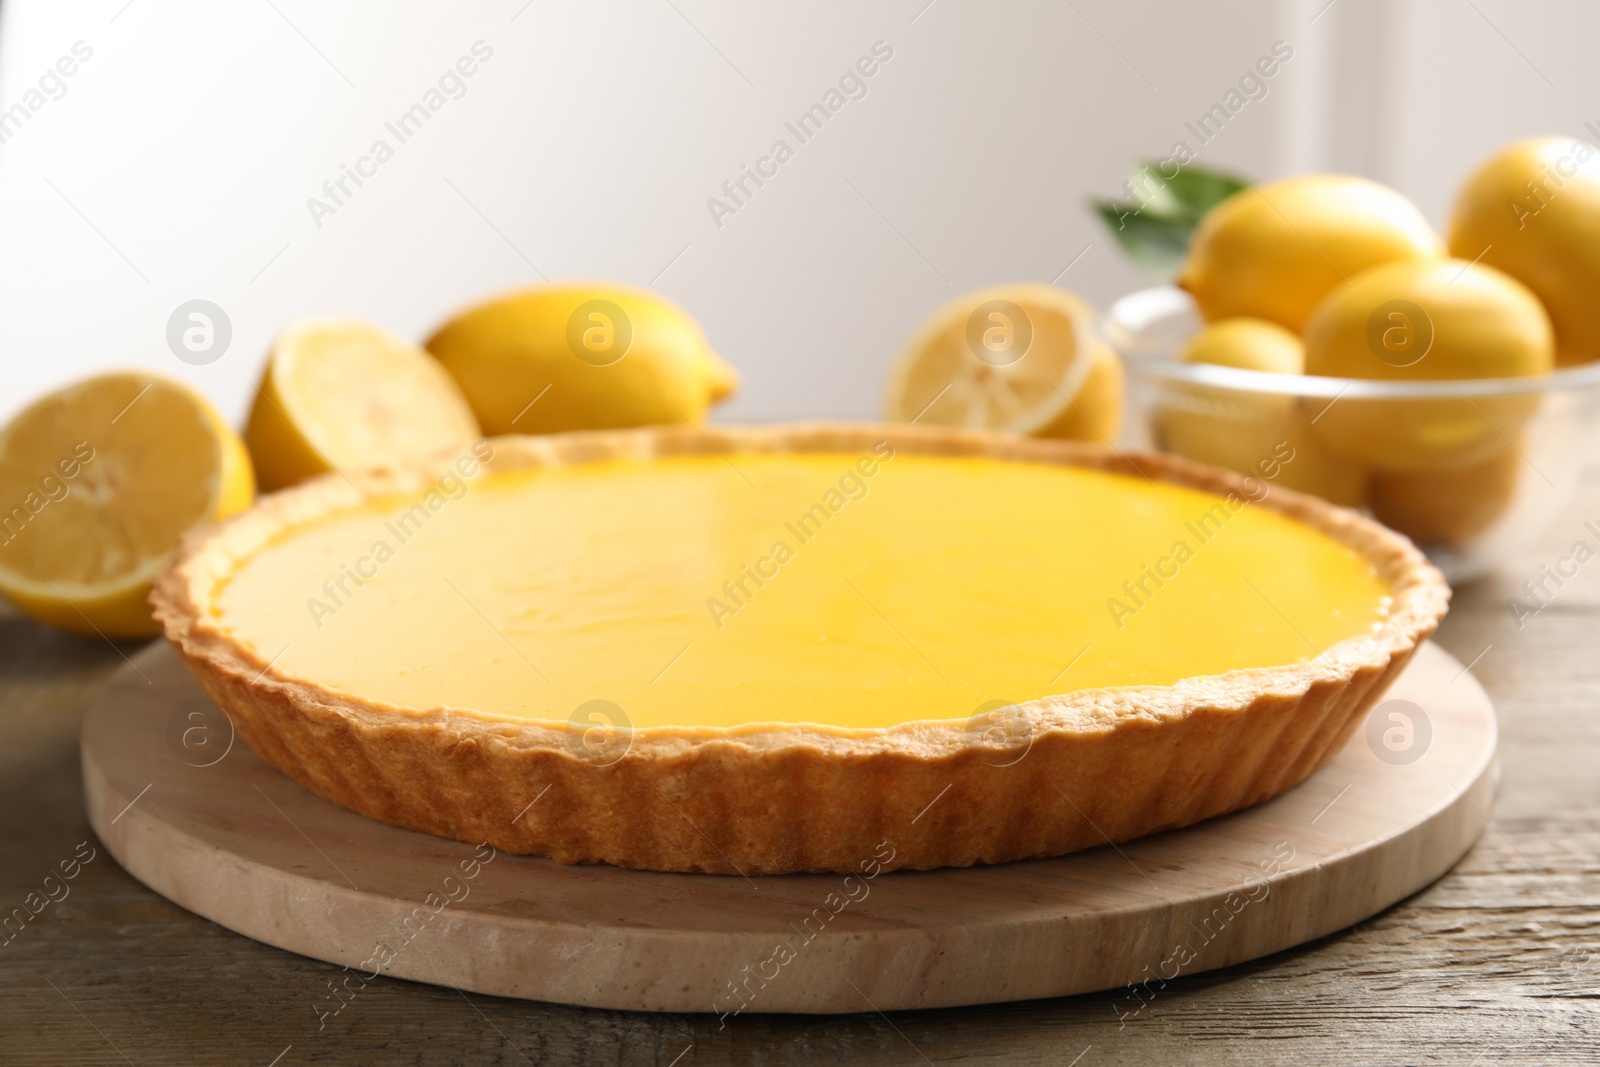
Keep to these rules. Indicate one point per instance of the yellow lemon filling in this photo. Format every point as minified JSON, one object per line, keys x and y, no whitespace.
{"x":844,"y":590}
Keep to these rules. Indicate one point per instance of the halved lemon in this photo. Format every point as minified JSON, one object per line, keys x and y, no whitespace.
{"x":97,"y":484}
{"x":342,"y":394}
{"x":1012,"y":357}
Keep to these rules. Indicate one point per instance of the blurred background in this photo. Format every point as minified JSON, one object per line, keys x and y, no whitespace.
{"x":195,"y":153}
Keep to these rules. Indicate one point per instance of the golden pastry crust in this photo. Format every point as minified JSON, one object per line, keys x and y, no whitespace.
{"x":1069,"y":772}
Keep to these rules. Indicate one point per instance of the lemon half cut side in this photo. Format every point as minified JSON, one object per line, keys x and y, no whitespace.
{"x":1011,"y":358}
{"x":343,"y":394}
{"x":98,"y":483}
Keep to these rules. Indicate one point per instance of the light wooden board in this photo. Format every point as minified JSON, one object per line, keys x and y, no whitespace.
{"x":240,"y":844}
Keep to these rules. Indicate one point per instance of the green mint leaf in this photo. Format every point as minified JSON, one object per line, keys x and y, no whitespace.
{"x":1155,"y":243}
{"x":1195,"y":190}
{"x":1154,"y":231}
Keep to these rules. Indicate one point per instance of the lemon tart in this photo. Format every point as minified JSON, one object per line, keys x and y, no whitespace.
{"x":780,"y":649}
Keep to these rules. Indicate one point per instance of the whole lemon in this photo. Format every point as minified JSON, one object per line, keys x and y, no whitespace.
{"x":1250,"y":344}
{"x":1428,"y":321}
{"x":581,"y":357}
{"x":1533,"y":211}
{"x":1274,"y":251}
{"x":1258,"y":433}
{"x":1448,"y":507}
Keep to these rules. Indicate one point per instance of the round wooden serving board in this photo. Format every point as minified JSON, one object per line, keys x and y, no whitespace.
{"x":202,"y":821}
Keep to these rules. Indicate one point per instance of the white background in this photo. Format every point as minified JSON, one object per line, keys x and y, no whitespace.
{"x":178,"y":163}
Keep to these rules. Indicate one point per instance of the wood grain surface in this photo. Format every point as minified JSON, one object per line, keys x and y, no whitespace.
{"x":1497,"y":962}
{"x":203,"y":821}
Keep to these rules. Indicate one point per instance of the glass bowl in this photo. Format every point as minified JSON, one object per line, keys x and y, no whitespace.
{"x":1473,"y":471}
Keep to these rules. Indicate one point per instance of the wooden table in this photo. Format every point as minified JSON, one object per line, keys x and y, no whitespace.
{"x":1499,"y":962}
